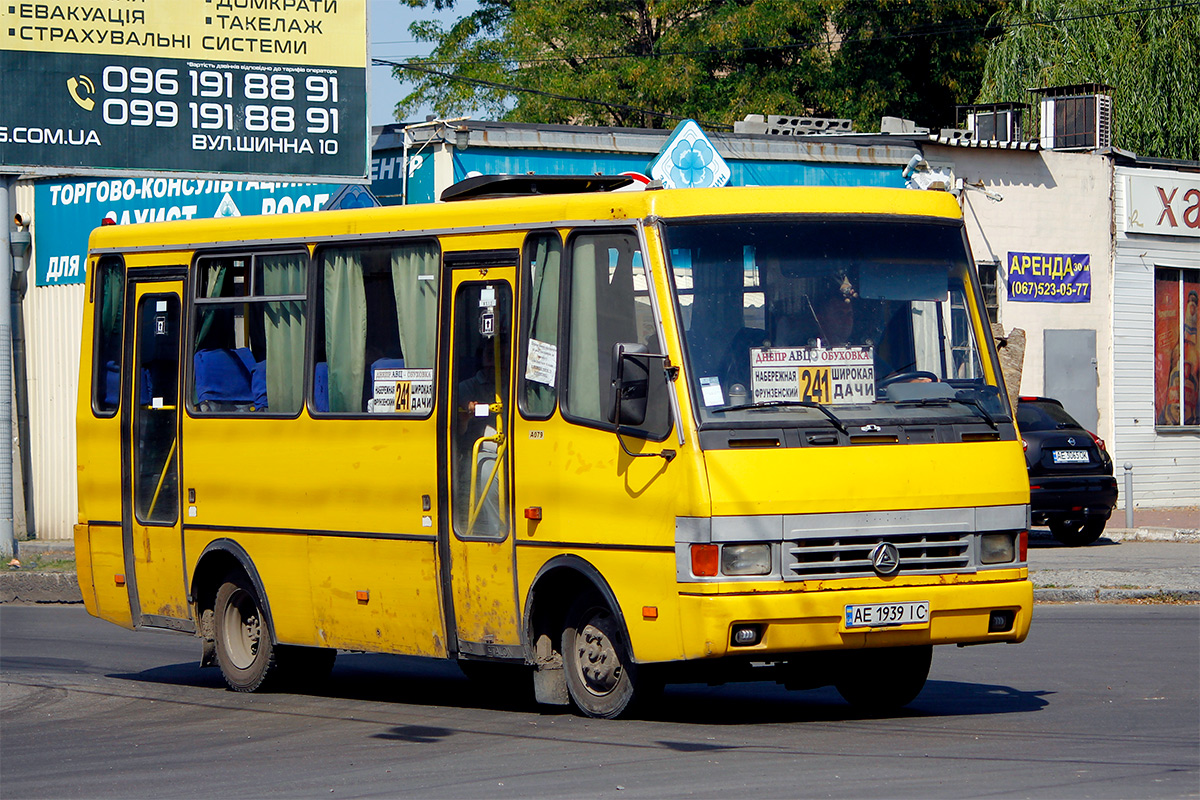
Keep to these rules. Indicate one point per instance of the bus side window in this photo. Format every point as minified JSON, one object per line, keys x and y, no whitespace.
{"x":109,"y":286}
{"x":539,"y":327}
{"x":608,"y":303}
{"x":248,"y":354}
{"x":376,"y":343}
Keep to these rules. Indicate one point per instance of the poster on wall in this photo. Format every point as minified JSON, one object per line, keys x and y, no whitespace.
{"x":248,"y":87}
{"x":1176,"y":348}
{"x":68,"y":211}
{"x":1050,"y":277}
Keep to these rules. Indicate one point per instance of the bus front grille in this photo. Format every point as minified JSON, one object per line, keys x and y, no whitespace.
{"x":849,"y":556}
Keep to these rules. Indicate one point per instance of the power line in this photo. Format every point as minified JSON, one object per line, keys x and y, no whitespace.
{"x":965,"y":27}
{"x":426,"y":67}
{"x":525,"y":90}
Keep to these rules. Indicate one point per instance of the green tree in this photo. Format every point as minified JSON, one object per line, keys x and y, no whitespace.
{"x":1149,"y":53}
{"x":916,"y":60}
{"x":641,"y":63}
{"x":713,"y":60}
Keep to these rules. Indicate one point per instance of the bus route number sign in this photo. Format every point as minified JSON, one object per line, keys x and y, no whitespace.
{"x":830,"y":376}
{"x":402,"y":391}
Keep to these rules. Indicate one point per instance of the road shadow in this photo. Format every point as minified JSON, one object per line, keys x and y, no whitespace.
{"x":759,"y":703}
{"x":398,"y":680}
{"x":175,"y":675}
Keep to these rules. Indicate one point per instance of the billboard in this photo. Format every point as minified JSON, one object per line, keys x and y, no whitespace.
{"x":203,"y":87}
{"x":67,"y":212}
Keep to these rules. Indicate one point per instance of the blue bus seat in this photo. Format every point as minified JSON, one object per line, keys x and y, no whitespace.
{"x":223,"y":379}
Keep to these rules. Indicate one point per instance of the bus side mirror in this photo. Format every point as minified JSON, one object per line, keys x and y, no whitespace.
{"x":630,"y":383}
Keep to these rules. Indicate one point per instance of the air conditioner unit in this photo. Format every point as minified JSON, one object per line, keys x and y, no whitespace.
{"x":1076,"y":117}
{"x":998,"y":126}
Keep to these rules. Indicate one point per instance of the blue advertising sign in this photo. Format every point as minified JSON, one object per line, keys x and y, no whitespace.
{"x":66,"y":213}
{"x":689,"y":161}
{"x":1050,"y":277}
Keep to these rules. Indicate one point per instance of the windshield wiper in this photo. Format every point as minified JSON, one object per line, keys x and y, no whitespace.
{"x":837,"y":423}
{"x":970,"y":403}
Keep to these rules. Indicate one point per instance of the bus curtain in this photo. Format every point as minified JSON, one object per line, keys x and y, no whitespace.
{"x":345,"y":329}
{"x":415,"y":283}
{"x":285,"y":322}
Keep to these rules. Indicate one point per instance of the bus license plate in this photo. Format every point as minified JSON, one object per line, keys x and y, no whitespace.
{"x":885,"y":615}
{"x":1071,"y":457}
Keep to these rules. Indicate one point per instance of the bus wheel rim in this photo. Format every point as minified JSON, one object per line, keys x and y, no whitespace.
{"x":242,"y":630}
{"x":599,"y":664}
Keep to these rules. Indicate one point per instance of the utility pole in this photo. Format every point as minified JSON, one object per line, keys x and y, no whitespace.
{"x":10,"y":242}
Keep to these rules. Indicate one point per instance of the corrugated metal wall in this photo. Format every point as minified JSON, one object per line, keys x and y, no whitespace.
{"x":1166,"y":465}
{"x":53,"y":329}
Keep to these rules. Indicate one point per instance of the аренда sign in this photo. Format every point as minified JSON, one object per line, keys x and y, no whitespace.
{"x":1050,"y":277}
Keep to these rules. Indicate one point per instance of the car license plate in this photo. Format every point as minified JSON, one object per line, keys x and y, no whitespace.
{"x":1071,"y":457}
{"x":884,"y":615}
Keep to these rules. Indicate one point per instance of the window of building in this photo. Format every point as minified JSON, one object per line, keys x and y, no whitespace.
{"x":1176,"y":348}
{"x":248,"y":353}
{"x":988,"y":276}
{"x":609,"y":303}
{"x":109,"y":287}
{"x":376,"y":339}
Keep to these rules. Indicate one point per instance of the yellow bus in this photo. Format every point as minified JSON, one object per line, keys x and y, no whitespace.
{"x":610,"y":439}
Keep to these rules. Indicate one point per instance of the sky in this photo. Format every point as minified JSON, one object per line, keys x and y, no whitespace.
{"x":387,"y":23}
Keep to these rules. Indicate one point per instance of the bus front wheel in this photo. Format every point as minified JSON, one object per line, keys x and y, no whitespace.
{"x":245,"y":653}
{"x":881,"y":681}
{"x":599,"y":670}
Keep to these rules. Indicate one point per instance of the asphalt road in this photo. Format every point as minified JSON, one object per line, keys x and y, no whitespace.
{"x":1101,"y":701}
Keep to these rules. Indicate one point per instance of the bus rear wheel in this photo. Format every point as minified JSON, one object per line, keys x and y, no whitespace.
{"x":881,"y":681}
{"x":599,"y":670}
{"x":245,"y":652}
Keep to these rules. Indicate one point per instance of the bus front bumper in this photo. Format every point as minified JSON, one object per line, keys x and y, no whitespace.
{"x":796,"y":621}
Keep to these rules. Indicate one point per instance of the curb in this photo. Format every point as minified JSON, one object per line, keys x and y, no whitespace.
{"x":1151,"y":535}
{"x":1072,"y":595}
{"x":39,"y":587}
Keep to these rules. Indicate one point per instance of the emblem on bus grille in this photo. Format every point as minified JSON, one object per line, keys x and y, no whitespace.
{"x":885,"y":558}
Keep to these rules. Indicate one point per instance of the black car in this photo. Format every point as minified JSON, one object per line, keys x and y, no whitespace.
{"x":1071,"y":483}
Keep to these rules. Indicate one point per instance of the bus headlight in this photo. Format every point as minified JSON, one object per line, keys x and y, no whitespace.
{"x":746,"y":559}
{"x":996,"y":548}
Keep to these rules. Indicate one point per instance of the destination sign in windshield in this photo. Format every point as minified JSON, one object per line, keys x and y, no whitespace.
{"x":827,"y":375}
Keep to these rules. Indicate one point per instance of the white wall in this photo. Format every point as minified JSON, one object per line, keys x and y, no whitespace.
{"x":53,"y":329}
{"x":1166,"y":464}
{"x":1053,"y":202}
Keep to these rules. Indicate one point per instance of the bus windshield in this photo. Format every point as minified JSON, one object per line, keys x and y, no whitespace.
{"x":811,"y":320}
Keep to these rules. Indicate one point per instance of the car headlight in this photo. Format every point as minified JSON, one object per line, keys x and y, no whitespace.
{"x":746,"y":559}
{"x":996,"y":548}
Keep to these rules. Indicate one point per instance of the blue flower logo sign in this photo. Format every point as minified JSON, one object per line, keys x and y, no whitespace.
{"x":689,"y":160}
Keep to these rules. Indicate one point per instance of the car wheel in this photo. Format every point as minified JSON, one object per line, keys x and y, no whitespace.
{"x":245,"y":653}
{"x":1076,"y":533}
{"x":599,"y":671}
{"x":881,"y":681}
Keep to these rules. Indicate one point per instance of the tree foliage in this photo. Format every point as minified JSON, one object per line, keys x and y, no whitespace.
{"x":1149,"y":53}
{"x":648,"y":62}
{"x":916,"y":60}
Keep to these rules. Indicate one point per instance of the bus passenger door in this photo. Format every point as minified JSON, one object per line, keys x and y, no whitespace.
{"x":150,"y":520}
{"x":478,"y":446}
